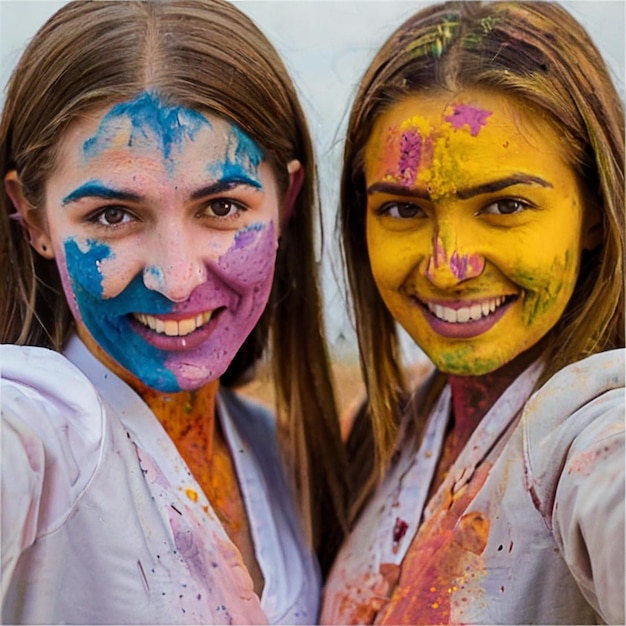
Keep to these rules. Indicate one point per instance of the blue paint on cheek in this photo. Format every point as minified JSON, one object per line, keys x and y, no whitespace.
{"x":108,"y":319}
{"x":84,"y":267}
{"x":150,"y":118}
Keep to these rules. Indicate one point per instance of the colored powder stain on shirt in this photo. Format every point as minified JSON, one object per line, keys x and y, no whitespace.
{"x":444,"y":559}
{"x":583,"y":463}
{"x":465,"y":114}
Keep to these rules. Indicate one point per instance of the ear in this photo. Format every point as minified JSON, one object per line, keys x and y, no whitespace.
{"x":593,"y":229}
{"x":296,"y":178}
{"x":29,"y":218}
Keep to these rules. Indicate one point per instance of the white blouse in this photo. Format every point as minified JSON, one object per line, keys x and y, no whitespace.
{"x":103,"y":523}
{"x":526,"y":528}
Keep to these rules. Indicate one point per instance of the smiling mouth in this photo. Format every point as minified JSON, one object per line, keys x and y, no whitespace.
{"x":174,"y":328}
{"x":467,"y":314}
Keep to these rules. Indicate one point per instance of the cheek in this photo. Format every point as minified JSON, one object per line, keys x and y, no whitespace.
{"x":393,"y":257}
{"x":83,"y":261}
{"x":251,"y":258}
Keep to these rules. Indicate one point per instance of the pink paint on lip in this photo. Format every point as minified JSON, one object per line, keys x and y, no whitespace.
{"x":466,"y":330}
{"x":185,"y":343}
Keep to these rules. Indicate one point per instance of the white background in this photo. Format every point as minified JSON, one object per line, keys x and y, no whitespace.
{"x":326,"y":45}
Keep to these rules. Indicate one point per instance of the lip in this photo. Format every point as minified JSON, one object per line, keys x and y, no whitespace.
{"x":188,"y":340}
{"x":458,"y":322}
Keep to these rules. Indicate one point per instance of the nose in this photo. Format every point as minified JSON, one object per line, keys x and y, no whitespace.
{"x":177,"y":267}
{"x":450,"y":264}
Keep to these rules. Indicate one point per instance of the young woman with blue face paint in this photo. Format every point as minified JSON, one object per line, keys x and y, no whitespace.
{"x":158,"y":195}
{"x":482,"y":210}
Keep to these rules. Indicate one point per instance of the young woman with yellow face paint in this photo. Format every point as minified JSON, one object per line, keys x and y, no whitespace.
{"x":157,"y":237}
{"x":483,"y":211}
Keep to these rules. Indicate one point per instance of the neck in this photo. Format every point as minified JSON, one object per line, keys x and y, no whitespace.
{"x":187,"y":416}
{"x":473,"y":396}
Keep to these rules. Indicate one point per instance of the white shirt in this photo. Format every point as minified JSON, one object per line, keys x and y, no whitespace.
{"x":527,"y":527}
{"x":103,"y":523}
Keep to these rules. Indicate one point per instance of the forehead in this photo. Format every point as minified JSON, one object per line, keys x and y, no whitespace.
{"x":147,"y":124}
{"x":472,"y":132}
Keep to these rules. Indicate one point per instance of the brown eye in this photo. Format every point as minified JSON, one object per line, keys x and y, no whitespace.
{"x":113,"y":216}
{"x":507,"y":206}
{"x":402,"y":210}
{"x":223,"y":207}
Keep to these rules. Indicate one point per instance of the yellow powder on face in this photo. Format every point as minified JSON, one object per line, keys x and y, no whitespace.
{"x":477,"y":204}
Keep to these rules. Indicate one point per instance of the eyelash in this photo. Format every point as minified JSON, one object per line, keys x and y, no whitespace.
{"x":388,"y":207}
{"x":522,"y":206}
{"x":235,"y":209}
{"x":97,"y":217}
{"x":418,"y":212}
{"x":239,"y":207}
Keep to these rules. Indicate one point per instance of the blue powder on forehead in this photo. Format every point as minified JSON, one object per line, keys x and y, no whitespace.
{"x":150,"y":118}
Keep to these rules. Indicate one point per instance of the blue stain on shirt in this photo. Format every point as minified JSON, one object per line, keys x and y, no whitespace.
{"x":150,"y":118}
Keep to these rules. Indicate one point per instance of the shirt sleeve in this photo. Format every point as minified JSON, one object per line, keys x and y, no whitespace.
{"x":22,"y":471}
{"x":51,"y":436}
{"x":588,"y":518}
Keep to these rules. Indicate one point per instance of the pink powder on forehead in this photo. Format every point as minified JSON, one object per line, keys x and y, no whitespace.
{"x":411,"y":145}
{"x":465,"y":114}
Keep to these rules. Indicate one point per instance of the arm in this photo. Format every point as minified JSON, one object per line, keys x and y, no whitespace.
{"x":589,"y":509}
{"x":22,"y":473}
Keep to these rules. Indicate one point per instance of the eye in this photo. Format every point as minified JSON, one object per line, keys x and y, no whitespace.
{"x":401,"y":210}
{"x":111,"y":216}
{"x":223,"y":207}
{"x":508,"y":206}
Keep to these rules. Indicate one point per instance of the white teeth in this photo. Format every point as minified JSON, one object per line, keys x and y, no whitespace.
{"x":467,"y":313}
{"x":174,"y":328}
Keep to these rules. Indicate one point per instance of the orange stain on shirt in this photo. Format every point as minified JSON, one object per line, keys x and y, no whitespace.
{"x":443,"y":562}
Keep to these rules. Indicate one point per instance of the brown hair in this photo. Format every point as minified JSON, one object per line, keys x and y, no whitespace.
{"x":538,"y":53}
{"x":202,"y":54}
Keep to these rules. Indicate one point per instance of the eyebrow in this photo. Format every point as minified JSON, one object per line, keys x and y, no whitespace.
{"x":464,"y":194}
{"x":226,"y":185}
{"x":94,"y":189}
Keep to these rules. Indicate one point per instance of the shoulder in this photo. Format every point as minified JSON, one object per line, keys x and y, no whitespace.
{"x":34,"y":377}
{"x":576,"y":412}
{"x":47,"y":400}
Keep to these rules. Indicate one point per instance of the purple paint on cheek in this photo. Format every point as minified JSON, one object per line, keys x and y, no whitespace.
{"x":241,"y":280}
{"x":465,"y":114}
{"x":251,"y":258}
{"x":410,"y":156}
